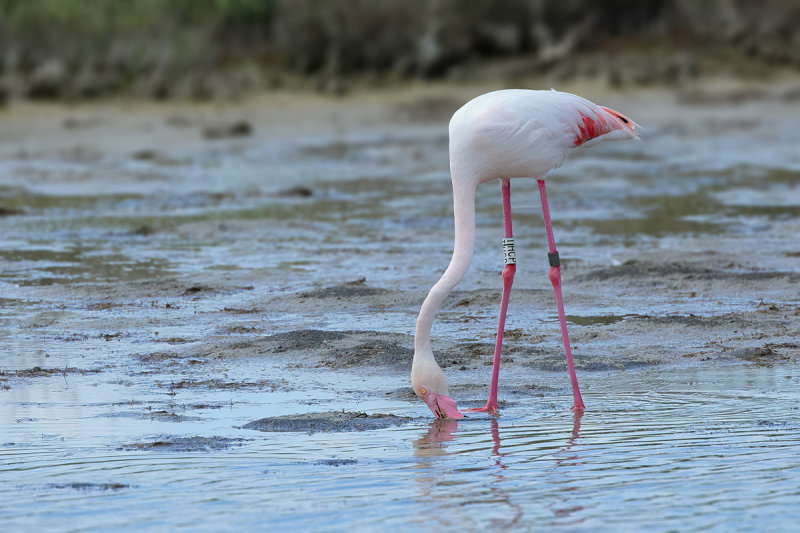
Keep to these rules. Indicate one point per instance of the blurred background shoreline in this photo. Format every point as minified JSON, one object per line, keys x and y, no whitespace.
{"x":73,"y":50}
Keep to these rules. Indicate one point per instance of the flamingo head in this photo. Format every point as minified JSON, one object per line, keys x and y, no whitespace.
{"x":430,"y":385}
{"x":441,"y":405}
{"x":607,"y":125}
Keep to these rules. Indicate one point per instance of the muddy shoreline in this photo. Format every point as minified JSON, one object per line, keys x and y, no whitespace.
{"x":296,"y":250}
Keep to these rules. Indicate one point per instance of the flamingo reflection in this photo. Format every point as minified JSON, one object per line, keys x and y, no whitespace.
{"x":434,"y":444}
{"x":567,"y":457}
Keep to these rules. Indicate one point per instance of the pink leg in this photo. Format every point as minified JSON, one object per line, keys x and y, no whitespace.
{"x":508,"y":279}
{"x":555,"y":279}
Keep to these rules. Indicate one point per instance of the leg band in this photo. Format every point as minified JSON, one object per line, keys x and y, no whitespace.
{"x":509,"y":252}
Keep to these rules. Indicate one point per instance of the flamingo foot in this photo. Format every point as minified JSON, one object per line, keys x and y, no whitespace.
{"x":490,"y":407}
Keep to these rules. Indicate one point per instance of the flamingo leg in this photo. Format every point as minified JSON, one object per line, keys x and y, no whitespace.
{"x":555,"y":279}
{"x":508,"y":279}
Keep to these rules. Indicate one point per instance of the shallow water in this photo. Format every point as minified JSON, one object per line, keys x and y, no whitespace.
{"x":685,"y":450}
{"x":161,"y":290}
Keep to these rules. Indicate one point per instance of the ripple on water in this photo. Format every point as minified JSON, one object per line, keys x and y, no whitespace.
{"x":665,"y":450}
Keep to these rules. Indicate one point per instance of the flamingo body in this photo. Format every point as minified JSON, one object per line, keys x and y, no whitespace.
{"x":502,"y":135}
{"x":519,"y":133}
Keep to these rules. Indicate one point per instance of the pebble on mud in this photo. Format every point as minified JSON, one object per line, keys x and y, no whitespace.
{"x":9,"y":211}
{"x":298,"y":191}
{"x":239,"y":128}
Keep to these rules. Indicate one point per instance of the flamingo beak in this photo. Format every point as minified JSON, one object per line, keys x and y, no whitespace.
{"x":442,"y":406}
{"x":627,"y":124}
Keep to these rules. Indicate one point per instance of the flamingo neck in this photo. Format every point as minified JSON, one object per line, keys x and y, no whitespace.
{"x":463,"y":247}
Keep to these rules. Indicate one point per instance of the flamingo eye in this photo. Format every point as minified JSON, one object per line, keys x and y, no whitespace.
{"x":423,"y":391}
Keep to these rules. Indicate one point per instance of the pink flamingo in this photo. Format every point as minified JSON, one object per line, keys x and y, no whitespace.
{"x":502,"y":135}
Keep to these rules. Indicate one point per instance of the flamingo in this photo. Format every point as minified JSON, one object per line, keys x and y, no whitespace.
{"x":506,"y":134}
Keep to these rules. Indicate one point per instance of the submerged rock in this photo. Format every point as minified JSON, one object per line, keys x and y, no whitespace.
{"x":89,"y":486}
{"x":337,"y":462}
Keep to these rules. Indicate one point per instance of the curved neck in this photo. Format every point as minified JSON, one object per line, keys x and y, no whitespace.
{"x":464,"y":215}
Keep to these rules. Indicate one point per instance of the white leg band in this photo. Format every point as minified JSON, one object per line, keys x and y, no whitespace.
{"x":509,"y":253}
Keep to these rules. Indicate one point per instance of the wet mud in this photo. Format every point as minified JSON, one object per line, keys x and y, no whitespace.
{"x":185,"y":444}
{"x":327,"y":422}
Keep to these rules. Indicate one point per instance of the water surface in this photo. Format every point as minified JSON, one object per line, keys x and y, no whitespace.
{"x":662,"y":450}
